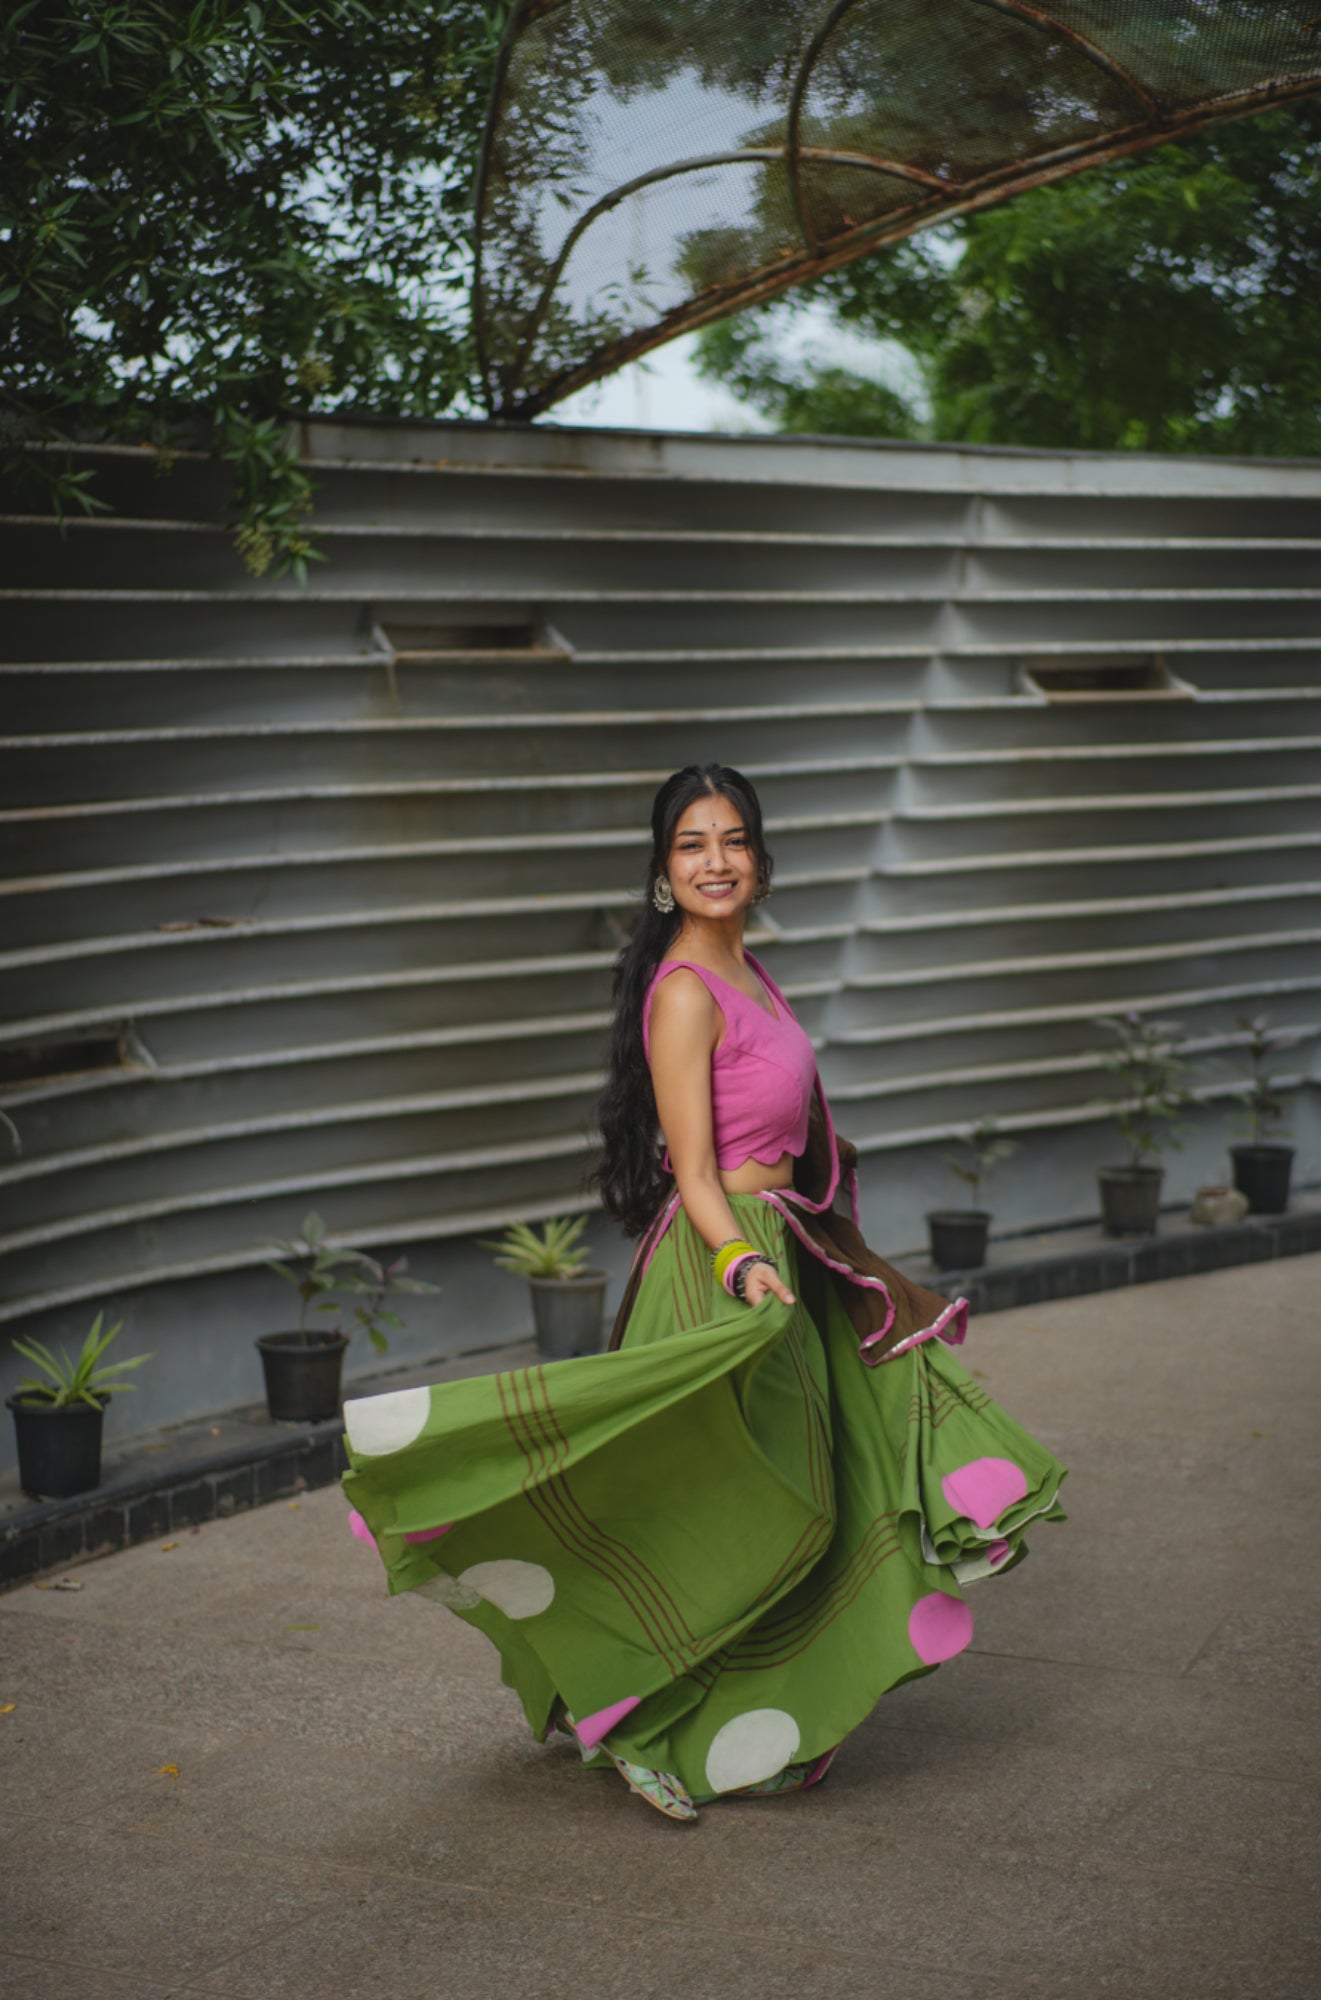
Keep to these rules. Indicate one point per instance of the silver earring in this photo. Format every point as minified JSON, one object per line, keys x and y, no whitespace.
{"x":662,"y":896}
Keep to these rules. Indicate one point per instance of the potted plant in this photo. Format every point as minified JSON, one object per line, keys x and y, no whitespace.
{"x":1146,"y":1067}
{"x":568,"y":1298}
{"x":303,"y":1368}
{"x":958,"y":1235}
{"x":1262,"y":1162}
{"x":58,"y":1420}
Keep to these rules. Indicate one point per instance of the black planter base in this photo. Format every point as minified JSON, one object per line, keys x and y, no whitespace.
{"x":1262,"y":1173}
{"x":302,"y":1376}
{"x":567,"y":1314}
{"x":1130,"y":1200}
{"x":958,"y":1238}
{"x":59,"y":1447}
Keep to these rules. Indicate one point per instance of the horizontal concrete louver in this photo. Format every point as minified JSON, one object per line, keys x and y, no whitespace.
{"x":291,"y":920}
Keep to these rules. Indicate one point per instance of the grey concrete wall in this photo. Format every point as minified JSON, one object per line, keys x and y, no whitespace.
{"x":311,"y":893}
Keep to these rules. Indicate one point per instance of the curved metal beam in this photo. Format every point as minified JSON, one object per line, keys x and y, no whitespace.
{"x":961,"y":200}
{"x":825,"y":28}
{"x":1036,"y":17}
{"x":867,"y":162}
{"x":520,"y":16}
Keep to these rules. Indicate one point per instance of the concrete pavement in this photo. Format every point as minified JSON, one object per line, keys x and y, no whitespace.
{"x":233,"y":1769}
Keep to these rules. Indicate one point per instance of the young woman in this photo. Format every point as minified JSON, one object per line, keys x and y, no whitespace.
{"x":708,"y":1552}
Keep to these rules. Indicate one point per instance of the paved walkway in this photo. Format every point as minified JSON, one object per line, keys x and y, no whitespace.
{"x":232,"y":1768}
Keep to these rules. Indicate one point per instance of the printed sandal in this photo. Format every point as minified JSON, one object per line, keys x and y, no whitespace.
{"x":658,"y":1788}
{"x":793,"y":1778}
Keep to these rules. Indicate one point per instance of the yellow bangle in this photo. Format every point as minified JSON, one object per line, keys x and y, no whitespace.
{"x":728,"y":1254}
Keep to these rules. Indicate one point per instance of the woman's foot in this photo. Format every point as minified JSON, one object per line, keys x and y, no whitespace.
{"x":793,"y":1778}
{"x":658,"y":1788}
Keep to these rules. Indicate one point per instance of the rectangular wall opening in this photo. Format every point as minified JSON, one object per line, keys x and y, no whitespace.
{"x":477,"y":632}
{"x":1096,"y":678}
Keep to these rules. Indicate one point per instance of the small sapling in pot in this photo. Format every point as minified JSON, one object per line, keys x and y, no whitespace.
{"x":958,"y":1235}
{"x":1263,"y":1162}
{"x":303,"y":1368}
{"x":1147,"y":1070}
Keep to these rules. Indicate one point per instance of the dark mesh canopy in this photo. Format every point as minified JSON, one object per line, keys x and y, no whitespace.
{"x":649,"y":167}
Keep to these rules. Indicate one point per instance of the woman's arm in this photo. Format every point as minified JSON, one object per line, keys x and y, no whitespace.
{"x":684,"y":1029}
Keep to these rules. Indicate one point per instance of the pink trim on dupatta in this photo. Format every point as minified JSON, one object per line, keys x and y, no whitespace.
{"x":951,"y":1327}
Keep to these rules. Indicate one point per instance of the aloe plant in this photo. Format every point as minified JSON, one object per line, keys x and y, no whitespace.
{"x":550,"y":1253}
{"x":80,"y":1381}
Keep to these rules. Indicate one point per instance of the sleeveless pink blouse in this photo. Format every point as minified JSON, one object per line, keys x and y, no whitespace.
{"x":762,"y":1074}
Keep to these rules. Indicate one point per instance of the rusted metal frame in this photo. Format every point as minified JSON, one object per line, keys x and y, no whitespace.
{"x":737,"y":157}
{"x":520,"y":17}
{"x":1036,"y":17}
{"x":972,"y":196}
{"x":537,"y":10}
{"x":793,"y":143}
{"x":872,"y":163}
{"x":532,"y":323}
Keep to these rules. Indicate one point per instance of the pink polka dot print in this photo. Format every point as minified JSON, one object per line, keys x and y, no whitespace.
{"x":984,"y":1487}
{"x":939,"y":1627}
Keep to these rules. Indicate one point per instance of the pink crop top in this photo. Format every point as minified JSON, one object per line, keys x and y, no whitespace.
{"x":762,"y":1074}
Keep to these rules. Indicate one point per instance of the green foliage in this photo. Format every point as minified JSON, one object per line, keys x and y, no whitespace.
{"x":326,"y":1280}
{"x":983,"y":1151}
{"x":1170,"y":302}
{"x":1147,"y":1068}
{"x":80,"y":1381}
{"x":822,"y":401}
{"x":548,"y":1253}
{"x":212,"y":215}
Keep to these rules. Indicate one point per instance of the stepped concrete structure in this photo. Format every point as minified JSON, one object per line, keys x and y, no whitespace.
{"x":312,"y":892}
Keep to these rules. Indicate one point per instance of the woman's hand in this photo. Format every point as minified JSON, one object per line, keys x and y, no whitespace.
{"x":762,"y":1279}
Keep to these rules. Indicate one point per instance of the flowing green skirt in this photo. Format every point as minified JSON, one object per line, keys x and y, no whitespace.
{"x":719,"y":1546}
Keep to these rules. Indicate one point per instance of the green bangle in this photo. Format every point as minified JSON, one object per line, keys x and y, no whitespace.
{"x":729,"y":1253}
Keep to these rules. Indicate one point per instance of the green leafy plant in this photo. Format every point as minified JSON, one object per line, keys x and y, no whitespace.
{"x":216,"y":216}
{"x":548,"y":1253}
{"x":1161,"y":302}
{"x":1262,"y":1102}
{"x":1147,"y":1068}
{"x":349,"y":1284}
{"x":984,"y":1149}
{"x":80,"y":1381}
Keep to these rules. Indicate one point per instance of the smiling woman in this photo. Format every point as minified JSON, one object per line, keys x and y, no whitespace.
{"x":706,"y":1554}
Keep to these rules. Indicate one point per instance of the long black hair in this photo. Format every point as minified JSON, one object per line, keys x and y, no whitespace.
{"x":629,"y":1174}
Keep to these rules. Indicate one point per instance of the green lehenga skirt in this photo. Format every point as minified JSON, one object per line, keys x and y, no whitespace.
{"x":719,"y":1546}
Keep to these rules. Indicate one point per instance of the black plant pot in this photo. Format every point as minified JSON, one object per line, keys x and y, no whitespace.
{"x":567,"y":1313}
{"x":1262,"y":1174}
{"x":1130,"y":1199}
{"x":958,"y":1238}
{"x":59,"y":1446}
{"x":302,"y":1375}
